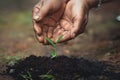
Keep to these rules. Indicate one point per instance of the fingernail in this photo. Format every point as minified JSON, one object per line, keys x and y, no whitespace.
{"x":36,"y":18}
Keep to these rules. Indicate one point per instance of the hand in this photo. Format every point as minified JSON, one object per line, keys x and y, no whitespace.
{"x":73,"y":21}
{"x":46,"y":14}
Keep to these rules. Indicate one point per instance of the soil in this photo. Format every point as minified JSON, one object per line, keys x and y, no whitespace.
{"x":101,"y":41}
{"x":62,"y":68}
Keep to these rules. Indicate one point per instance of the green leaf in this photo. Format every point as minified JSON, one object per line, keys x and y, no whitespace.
{"x":47,"y":76}
{"x":24,"y":76}
{"x":59,"y":39}
{"x":29,"y":74}
{"x":50,"y":41}
{"x":53,"y":54}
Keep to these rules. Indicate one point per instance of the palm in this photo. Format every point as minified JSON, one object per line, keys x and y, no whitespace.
{"x":51,"y":12}
{"x":68,"y":22}
{"x":73,"y":21}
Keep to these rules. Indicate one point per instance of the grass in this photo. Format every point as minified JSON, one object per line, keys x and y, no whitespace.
{"x":12,"y":60}
{"x":27,"y":77}
{"x":47,"y":76}
{"x":9,"y":60}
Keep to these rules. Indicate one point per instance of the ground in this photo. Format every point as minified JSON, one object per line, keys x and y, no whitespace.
{"x":101,"y":40}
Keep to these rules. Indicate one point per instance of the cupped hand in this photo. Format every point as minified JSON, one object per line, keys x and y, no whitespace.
{"x":46,"y":14}
{"x":73,"y":21}
{"x":61,"y":19}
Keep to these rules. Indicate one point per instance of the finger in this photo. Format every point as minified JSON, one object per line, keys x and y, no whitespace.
{"x":57,"y":29}
{"x":37,"y":28}
{"x":66,"y":36}
{"x":83,"y":26}
{"x":53,"y":18}
{"x":66,"y":25}
{"x":40,"y":38}
{"x":45,"y":30}
{"x":35,"y":13}
{"x":50,"y":32}
{"x":42,"y":11}
{"x":79,"y":13}
{"x":81,"y":29}
{"x":77,"y":23}
{"x":36,"y":10}
{"x":57,"y":34}
{"x":60,"y":31}
{"x":76,"y":28}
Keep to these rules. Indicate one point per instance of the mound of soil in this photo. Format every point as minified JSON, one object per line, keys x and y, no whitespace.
{"x":61,"y":68}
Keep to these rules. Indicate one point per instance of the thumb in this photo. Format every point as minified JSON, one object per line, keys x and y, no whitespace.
{"x":39,"y":12}
{"x":44,"y":7}
{"x":77,"y":24}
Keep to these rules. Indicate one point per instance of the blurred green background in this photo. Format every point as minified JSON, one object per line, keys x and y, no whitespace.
{"x":101,"y":40}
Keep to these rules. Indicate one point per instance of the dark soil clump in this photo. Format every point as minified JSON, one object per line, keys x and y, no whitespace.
{"x":61,"y":68}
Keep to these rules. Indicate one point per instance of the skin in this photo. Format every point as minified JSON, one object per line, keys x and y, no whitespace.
{"x":73,"y":21}
{"x":46,"y":15}
{"x":53,"y":18}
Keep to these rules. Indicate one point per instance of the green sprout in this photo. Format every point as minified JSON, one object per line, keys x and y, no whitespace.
{"x":54,"y":52}
{"x":47,"y":76}
{"x":27,"y":77}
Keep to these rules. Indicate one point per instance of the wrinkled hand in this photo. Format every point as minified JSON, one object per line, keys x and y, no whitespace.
{"x":73,"y":21}
{"x":49,"y":21}
{"x":46,"y":14}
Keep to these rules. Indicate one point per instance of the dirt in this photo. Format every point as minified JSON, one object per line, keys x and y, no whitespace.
{"x":101,"y":41}
{"x":62,"y":68}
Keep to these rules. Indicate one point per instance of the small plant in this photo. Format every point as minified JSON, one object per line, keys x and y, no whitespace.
{"x":54,"y":52}
{"x":47,"y":76}
{"x":12,"y":60}
{"x":27,"y":77}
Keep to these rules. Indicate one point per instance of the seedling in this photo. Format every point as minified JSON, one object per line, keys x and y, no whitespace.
{"x":54,"y":52}
{"x":27,"y":77}
{"x":47,"y":76}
